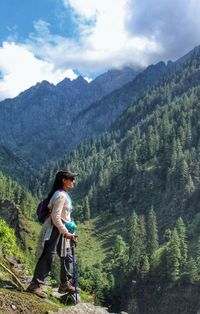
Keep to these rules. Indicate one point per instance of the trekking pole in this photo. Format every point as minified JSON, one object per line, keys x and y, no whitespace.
{"x":75,"y":277}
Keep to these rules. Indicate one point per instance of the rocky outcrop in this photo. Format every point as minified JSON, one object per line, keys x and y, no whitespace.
{"x":82,"y":308}
{"x":10,"y":213}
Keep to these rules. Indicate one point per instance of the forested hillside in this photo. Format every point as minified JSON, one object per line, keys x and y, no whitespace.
{"x":144,"y":175}
{"x":14,"y":166}
{"x":98,"y":117}
{"x":152,"y":148}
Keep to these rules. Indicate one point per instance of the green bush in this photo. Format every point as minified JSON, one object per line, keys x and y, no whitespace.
{"x":8,"y":244}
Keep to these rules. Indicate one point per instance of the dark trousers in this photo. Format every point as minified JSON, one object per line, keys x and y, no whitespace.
{"x":44,"y":264}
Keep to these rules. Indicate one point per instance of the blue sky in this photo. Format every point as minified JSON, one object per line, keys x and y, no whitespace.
{"x":54,"y":39}
{"x":18,"y":16}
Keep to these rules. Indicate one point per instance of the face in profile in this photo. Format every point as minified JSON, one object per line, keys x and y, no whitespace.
{"x":68,"y":183}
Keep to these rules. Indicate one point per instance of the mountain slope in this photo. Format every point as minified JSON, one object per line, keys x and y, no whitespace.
{"x":100,"y":115}
{"x":14,"y":166}
{"x":36,"y":122}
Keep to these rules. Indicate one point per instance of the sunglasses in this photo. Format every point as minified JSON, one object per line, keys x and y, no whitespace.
{"x":72,"y":179}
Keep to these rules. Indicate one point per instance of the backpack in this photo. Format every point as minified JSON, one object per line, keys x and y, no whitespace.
{"x":43,"y":211}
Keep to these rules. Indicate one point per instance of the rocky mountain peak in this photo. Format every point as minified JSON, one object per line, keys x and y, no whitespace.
{"x":188,"y":55}
{"x":64,"y":83}
{"x":80,"y":82}
{"x":44,"y":84}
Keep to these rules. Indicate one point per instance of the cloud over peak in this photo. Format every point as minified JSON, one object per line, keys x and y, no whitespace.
{"x":106,"y":34}
{"x":20,"y":69}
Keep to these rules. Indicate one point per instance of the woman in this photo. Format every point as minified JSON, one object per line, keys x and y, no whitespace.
{"x":55,"y":237}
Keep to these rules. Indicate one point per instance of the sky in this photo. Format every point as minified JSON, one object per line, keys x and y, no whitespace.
{"x":54,"y":39}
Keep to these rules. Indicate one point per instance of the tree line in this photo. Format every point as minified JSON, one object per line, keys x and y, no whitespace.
{"x":19,"y":195}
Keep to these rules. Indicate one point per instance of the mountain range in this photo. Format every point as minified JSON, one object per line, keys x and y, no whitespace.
{"x":46,"y":121}
{"x":35,"y":123}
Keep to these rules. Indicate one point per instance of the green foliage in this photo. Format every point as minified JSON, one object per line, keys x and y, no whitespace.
{"x":192,"y":270}
{"x":87,"y":214}
{"x":152,"y":233}
{"x":133,"y":240}
{"x":120,"y":247}
{"x":173,"y":256}
{"x":8,"y":244}
{"x":159,"y":264}
{"x":181,"y":229}
{"x":19,"y":195}
{"x":167,"y":235}
{"x":94,"y":280}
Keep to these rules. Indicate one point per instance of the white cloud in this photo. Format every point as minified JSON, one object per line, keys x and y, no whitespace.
{"x":110,"y":33}
{"x":136,"y":32}
{"x":104,"y":41}
{"x":21,"y":69}
{"x":86,"y":8}
{"x":105,"y":37}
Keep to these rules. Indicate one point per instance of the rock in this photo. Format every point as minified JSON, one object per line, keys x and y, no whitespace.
{"x":8,"y":284}
{"x":13,"y":307}
{"x":83,"y":308}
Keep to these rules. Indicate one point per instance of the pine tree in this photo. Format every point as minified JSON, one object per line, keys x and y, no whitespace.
{"x":189,"y":188}
{"x":134,"y":161}
{"x":167,"y":235}
{"x":191,"y":269}
{"x":179,"y":150}
{"x":173,"y":257}
{"x":134,"y":242}
{"x":152,"y":233}
{"x":183,"y":173}
{"x":173,"y":156}
{"x":119,"y":247}
{"x":145,"y":266}
{"x":142,"y":243}
{"x":181,"y":230}
{"x":86,"y":209}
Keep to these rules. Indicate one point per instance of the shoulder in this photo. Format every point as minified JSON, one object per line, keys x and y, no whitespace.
{"x":60,"y":195}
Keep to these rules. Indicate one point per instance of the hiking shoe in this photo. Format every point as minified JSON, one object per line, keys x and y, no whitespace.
{"x":36,"y":288}
{"x":67,"y":287}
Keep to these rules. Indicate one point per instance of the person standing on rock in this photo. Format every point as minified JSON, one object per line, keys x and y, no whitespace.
{"x":55,"y":237}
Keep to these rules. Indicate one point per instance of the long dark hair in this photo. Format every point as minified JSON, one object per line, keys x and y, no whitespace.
{"x":58,"y":183}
